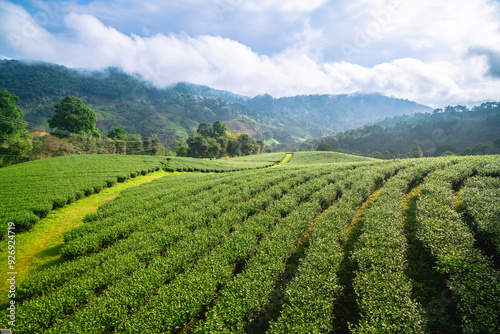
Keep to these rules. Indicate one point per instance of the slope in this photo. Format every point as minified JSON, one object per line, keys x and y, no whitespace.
{"x":172,"y":113}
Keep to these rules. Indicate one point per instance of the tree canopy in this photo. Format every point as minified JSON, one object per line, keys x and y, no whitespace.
{"x":324,"y":147}
{"x":15,"y":140}
{"x":9,"y":109}
{"x":416,"y":152}
{"x":118,"y":133}
{"x":72,"y":115}
{"x":216,"y":141}
{"x":219,"y":129}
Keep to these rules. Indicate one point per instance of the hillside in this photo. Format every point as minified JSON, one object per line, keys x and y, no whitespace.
{"x":32,"y":189}
{"x":173,"y":112}
{"x":324,"y":243}
{"x":456,"y":130}
{"x":317,"y":115}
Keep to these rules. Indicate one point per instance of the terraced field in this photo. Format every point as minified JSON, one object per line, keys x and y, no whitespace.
{"x":181,"y":164}
{"x":31,"y":190}
{"x":326,"y":243}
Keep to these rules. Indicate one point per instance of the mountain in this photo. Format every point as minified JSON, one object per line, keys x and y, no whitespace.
{"x":457,"y":130}
{"x":117,"y":99}
{"x":174,"y":112}
{"x":323,"y":114}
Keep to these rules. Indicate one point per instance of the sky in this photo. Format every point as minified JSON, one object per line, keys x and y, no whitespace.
{"x":435,"y":52}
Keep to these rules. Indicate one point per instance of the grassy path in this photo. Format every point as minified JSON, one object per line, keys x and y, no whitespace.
{"x":283,"y":162}
{"x":39,"y":247}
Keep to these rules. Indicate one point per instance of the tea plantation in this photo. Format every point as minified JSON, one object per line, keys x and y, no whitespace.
{"x":326,"y":243}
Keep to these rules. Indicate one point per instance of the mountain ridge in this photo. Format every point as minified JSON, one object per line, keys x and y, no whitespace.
{"x":175,"y":111}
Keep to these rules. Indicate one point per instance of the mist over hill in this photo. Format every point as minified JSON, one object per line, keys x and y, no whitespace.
{"x":174,"y":112}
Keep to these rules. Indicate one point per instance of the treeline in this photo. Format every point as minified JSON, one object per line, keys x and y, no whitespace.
{"x":216,"y":142}
{"x":40,"y":144}
{"x":454,"y":130}
{"x":72,"y":132}
{"x":47,"y":145}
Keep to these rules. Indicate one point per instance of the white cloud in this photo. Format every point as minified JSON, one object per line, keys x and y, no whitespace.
{"x":20,"y":31}
{"x":279,"y":5}
{"x":419,"y":43}
{"x":455,"y":24}
{"x":446,"y":73}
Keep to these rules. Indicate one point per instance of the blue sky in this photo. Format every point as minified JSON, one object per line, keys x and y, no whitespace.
{"x":436,"y":52}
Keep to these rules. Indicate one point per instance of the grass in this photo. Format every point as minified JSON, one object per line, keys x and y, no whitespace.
{"x":308,"y":159}
{"x":39,"y":247}
{"x":283,"y":162}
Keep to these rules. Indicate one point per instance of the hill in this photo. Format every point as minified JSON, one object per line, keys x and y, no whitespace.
{"x":454,"y":130}
{"x":172,"y":113}
{"x":32,"y":189}
{"x":317,"y":115}
{"x":324,"y":243}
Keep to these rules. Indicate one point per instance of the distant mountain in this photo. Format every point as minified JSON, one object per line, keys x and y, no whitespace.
{"x":319,"y":115}
{"x":454,"y":130}
{"x":173,"y":112}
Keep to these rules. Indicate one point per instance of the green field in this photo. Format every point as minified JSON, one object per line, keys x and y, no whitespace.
{"x":181,"y":164}
{"x":323,"y":243}
{"x":31,"y":190}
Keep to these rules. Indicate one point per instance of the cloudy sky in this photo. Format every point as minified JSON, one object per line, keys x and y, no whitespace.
{"x":436,"y":52}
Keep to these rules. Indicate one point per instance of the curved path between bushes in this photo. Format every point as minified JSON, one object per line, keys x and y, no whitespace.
{"x":283,"y":162}
{"x":39,"y":247}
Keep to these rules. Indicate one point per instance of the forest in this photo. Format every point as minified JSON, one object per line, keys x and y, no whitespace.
{"x":454,"y":130}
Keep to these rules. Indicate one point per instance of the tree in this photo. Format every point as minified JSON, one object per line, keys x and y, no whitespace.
{"x":223,"y":145}
{"x":214,"y":149}
{"x":219,"y":129}
{"x":324,"y":147}
{"x":497,"y":143}
{"x":72,"y":115}
{"x":204,"y":129}
{"x":480,"y":149}
{"x":447,"y":154}
{"x":174,"y":146}
{"x":416,"y":152}
{"x":182,"y":151}
{"x":233,"y":147}
{"x":198,"y":146}
{"x":118,"y":133}
{"x":134,"y":144}
{"x":147,"y":146}
{"x":467,"y":151}
{"x":15,"y":141}
{"x":14,"y":123}
{"x":260,"y":145}
{"x":444,"y":148}
{"x":247,"y":144}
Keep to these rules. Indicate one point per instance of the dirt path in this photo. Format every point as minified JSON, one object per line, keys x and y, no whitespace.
{"x":39,"y":247}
